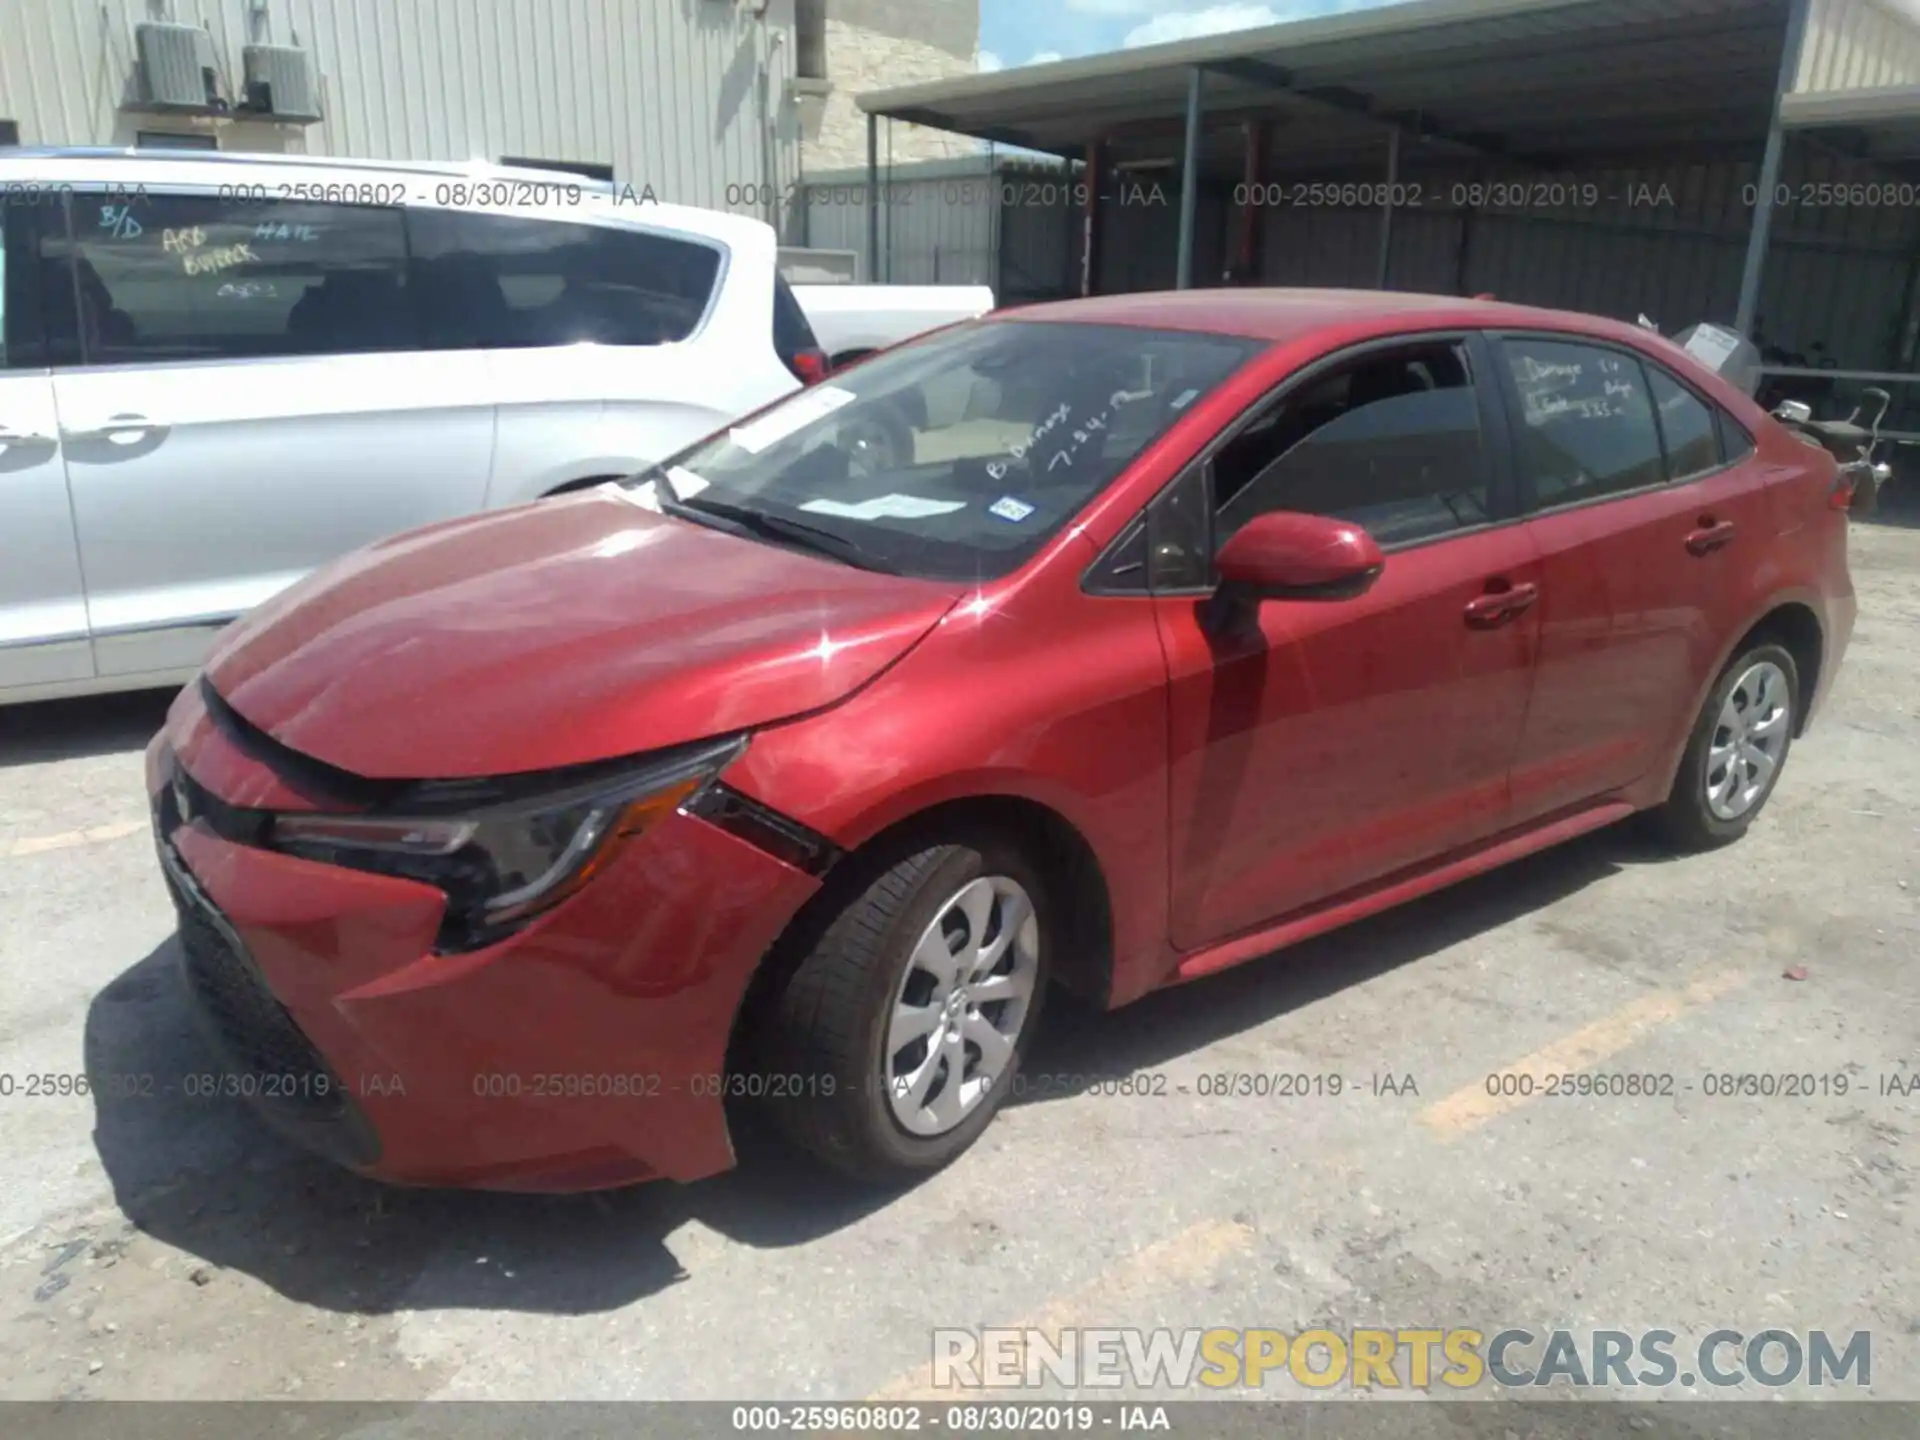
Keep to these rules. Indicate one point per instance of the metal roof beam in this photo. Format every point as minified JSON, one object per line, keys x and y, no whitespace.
{"x":999,"y":134}
{"x":1344,"y":100}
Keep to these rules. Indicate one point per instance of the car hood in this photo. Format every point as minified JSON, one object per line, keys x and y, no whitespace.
{"x":559,"y":633}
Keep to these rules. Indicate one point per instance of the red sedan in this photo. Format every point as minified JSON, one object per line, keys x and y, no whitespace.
{"x":1106,"y":644}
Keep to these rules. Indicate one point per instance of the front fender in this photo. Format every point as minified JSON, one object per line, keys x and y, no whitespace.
{"x":1059,"y":705}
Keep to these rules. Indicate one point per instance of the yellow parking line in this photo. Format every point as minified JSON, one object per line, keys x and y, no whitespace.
{"x":1472,"y":1106}
{"x":93,"y":835}
{"x":1193,"y":1254}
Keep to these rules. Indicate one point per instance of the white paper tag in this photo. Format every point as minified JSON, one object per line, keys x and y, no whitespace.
{"x":1712,"y":346}
{"x":783,"y":420}
{"x":886,"y":507}
{"x":685,"y":482}
{"x":646,"y":495}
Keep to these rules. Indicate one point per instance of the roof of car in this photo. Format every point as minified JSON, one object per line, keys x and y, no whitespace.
{"x":40,"y":165}
{"x":1292,"y":314}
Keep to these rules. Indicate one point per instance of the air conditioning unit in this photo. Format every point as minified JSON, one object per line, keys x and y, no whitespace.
{"x":280,"y":83}
{"x":178,"y":68}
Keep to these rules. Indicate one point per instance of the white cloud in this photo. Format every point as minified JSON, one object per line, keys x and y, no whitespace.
{"x":1044,"y":57}
{"x":989,"y":61}
{"x":1217,"y":19}
{"x":1185,"y":24}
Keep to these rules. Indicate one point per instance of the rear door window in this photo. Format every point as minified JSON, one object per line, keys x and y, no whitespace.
{"x":500,"y":282}
{"x":172,"y":277}
{"x":1584,"y":424}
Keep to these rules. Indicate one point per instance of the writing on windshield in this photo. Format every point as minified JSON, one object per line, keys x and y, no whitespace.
{"x":1083,"y":432}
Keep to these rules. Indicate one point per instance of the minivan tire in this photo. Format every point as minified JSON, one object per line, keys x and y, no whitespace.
{"x":824,"y":1052}
{"x":1686,"y":821}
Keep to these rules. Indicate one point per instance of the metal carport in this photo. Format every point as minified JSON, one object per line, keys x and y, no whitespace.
{"x":1507,"y":92}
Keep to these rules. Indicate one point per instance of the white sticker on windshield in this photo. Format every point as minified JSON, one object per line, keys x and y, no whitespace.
{"x":684,"y":481}
{"x":645,"y":494}
{"x":1183,"y":399}
{"x":1008,"y":508}
{"x":780,"y":422}
{"x":887,"y":507}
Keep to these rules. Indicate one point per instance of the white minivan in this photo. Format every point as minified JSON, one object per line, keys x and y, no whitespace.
{"x":220,"y":371}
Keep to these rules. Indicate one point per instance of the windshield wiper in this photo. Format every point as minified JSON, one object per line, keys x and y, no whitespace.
{"x":778,"y":527}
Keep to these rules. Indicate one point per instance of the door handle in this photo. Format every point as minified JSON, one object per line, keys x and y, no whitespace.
{"x":118,"y":427}
{"x":1711,"y":535}
{"x":1520,"y":598}
{"x":1496,"y":607}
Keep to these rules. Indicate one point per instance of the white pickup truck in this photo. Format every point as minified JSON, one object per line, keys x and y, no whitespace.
{"x":223,"y":369}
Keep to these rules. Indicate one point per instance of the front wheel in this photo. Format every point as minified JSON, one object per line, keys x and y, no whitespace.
{"x":1737,"y":749}
{"x":911,"y":1014}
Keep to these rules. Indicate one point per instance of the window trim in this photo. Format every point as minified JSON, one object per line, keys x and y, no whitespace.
{"x":1510,"y":394}
{"x":81,"y":362}
{"x":1504,"y":500}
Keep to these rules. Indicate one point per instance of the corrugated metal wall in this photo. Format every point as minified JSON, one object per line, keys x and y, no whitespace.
{"x":1858,"y":45}
{"x":981,"y":220}
{"x":1667,"y":242}
{"x":666,"y":91}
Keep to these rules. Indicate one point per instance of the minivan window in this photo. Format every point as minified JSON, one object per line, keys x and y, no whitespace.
{"x":195,"y":277}
{"x":496,"y":282}
{"x":1586,"y":422}
{"x":955,"y":456}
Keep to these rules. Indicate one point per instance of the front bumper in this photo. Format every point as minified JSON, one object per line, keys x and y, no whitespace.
{"x":586,"y":1051}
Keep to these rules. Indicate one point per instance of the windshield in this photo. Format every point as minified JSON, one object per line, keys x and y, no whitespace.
{"x":955,"y":457}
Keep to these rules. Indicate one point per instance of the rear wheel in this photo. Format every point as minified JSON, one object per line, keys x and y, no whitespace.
{"x":1736,"y":752}
{"x":900,"y":1033}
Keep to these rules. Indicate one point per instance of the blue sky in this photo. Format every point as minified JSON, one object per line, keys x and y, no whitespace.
{"x":1026,"y":32}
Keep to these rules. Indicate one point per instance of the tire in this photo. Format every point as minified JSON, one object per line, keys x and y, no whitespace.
{"x":1691,"y":819}
{"x":829,"y":1035}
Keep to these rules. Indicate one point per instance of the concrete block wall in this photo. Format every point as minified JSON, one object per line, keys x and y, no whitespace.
{"x":874,"y":44}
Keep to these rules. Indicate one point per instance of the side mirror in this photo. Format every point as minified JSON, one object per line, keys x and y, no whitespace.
{"x":1283,"y":556}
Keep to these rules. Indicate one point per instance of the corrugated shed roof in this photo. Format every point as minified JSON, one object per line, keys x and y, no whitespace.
{"x":1539,"y":82}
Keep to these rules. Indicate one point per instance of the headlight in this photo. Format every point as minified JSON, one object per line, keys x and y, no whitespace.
{"x":502,"y":852}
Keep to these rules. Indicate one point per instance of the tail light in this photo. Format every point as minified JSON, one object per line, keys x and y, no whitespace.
{"x":1840,"y":493}
{"x":811,"y":366}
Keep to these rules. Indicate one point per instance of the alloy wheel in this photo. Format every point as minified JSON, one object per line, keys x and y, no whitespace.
{"x":960,"y":1007}
{"x":1749,"y":740}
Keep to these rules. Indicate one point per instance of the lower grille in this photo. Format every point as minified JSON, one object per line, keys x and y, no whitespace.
{"x":261,"y":1041}
{"x":269,"y":1058}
